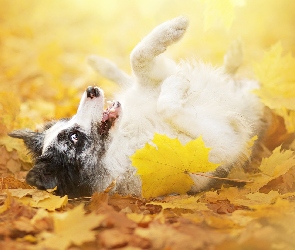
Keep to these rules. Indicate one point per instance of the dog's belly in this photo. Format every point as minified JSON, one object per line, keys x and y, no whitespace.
{"x":201,"y":101}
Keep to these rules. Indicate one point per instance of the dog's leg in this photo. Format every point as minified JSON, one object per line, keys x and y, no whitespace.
{"x":144,"y":60}
{"x":233,"y":57}
{"x":109,"y":70}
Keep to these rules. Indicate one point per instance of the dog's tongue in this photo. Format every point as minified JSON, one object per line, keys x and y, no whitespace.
{"x":105,"y":116}
{"x":109,"y":117}
{"x":112,"y":112}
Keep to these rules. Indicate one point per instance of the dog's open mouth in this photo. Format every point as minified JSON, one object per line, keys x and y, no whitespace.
{"x":110,"y":115}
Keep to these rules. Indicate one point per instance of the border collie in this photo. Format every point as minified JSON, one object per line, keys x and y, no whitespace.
{"x":87,"y":152}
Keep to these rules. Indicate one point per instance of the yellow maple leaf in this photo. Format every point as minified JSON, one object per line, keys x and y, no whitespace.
{"x":216,"y":11}
{"x":39,"y":198}
{"x":72,"y":227}
{"x":278,"y":163}
{"x":272,"y":167}
{"x":164,"y":166}
{"x":276,"y":74}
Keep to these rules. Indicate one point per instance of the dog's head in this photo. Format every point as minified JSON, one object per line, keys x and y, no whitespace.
{"x":68,"y":153}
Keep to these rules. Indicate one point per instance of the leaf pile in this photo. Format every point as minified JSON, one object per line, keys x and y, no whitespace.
{"x":43,"y":73}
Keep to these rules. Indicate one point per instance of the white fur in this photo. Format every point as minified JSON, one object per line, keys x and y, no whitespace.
{"x":86,"y":115}
{"x":184,"y":101}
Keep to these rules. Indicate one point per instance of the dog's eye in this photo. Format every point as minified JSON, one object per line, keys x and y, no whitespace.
{"x":74,"y":138}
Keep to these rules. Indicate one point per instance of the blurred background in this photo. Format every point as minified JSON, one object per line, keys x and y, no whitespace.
{"x":44,"y":46}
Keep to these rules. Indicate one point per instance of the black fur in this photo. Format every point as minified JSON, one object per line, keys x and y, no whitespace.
{"x":70,"y":162}
{"x":33,"y":140}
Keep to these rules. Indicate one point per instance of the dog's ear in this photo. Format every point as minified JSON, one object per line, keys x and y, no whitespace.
{"x":33,"y":140}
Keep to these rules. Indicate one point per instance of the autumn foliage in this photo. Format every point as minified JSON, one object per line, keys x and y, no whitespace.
{"x":43,"y":72}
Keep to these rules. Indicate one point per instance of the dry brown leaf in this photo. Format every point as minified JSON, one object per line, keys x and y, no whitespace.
{"x":98,"y":199}
{"x":184,"y":236}
{"x":113,"y":238}
{"x":11,"y":182}
{"x":135,"y":204}
{"x":184,"y":202}
{"x":141,"y":219}
{"x":115,"y":219}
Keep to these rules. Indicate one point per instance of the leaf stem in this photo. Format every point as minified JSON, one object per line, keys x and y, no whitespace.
{"x":220,"y":178}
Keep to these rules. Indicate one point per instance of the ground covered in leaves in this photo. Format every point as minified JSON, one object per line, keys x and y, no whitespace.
{"x":43,"y":73}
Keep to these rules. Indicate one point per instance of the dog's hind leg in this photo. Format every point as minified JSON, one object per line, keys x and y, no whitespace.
{"x":109,"y":70}
{"x":233,"y":58}
{"x":146,"y":65}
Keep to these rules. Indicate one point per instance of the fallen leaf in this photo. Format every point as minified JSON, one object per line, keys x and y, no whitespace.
{"x":113,"y":238}
{"x":42,"y":220}
{"x":98,"y":199}
{"x":12,"y":183}
{"x":140,"y":219}
{"x":172,"y":239}
{"x":24,"y":224}
{"x":51,"y":203}
{"x":253,"y":199}
{"x":272,"y":167}
{"x":135,"y":204}
{"x":185,"y":202}
{"x":113,"y":218}
{"x":37,"y":195}
{"x":39,"y":198}
{"x":72,"y":227}
{"x":6,"y":204}
{"x":164,"y":166}
{"x":16,"y":145}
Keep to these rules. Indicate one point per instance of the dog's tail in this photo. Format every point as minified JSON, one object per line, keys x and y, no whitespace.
{"x":109,"y":70}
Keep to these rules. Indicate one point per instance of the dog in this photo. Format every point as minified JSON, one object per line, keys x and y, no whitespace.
{"x":85,"y":153}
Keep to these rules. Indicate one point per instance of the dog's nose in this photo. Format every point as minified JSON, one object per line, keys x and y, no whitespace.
{"x":92,"y":92}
